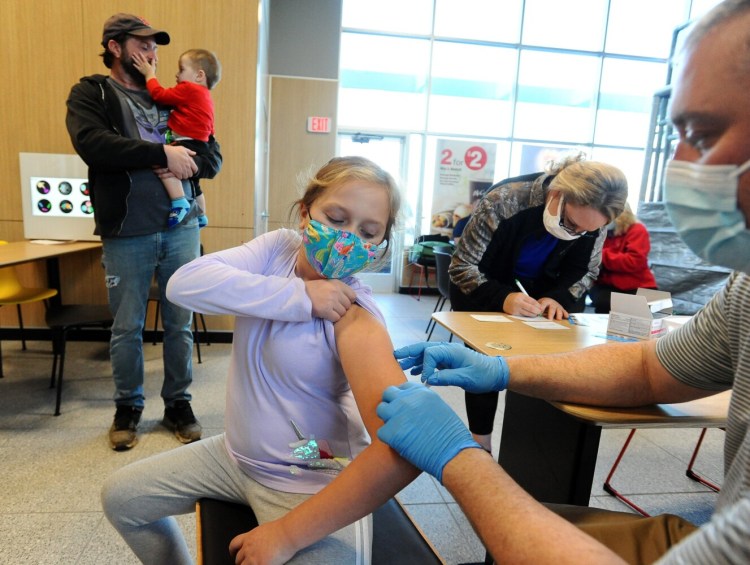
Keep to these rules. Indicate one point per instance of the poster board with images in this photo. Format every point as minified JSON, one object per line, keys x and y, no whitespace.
{"x":56,"y":197}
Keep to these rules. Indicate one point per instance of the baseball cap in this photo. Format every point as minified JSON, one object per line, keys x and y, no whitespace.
{"x":121,"y":24}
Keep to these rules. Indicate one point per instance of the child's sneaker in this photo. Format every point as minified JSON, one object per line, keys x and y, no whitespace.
{"x":202,"y":221}
{"x":180,"y":208}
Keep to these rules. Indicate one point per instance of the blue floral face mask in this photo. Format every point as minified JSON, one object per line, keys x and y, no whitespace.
{"x":336,"y":253}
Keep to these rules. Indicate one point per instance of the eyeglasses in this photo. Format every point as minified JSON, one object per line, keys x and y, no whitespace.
{"x":568,"y":230}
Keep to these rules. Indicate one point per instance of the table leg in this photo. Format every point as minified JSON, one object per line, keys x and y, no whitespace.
{"x":550,"y":454}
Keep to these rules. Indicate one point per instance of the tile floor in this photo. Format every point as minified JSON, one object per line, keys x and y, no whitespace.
{"x":52,"y":467}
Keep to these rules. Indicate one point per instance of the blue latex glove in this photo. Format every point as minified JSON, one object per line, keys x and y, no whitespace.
{"x":446,"y":364}
{"x":412,"y":356}
{"x":422,"y":428}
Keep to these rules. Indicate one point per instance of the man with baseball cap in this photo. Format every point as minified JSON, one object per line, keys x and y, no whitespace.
{"x":120,"y":25}
{"x":118,"y":130}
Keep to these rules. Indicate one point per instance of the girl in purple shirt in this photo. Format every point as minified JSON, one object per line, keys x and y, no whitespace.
{"x":310,"y":359}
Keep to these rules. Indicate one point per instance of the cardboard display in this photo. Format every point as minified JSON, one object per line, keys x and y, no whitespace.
{"x":640,"y":315}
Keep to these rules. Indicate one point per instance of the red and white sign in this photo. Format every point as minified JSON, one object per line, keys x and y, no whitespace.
{"x":318,"y":124}
{"x":463,"y":173}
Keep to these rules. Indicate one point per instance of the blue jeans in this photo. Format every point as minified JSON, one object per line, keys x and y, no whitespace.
{"x":129,"y":266}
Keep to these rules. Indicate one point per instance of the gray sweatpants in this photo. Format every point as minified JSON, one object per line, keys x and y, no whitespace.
{"x":141,"y":499}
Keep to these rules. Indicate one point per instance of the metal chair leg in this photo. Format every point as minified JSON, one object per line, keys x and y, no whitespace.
{"x":55,"y":354}
{"x":205,"y":329}
{"x":613,"y":491}
{"x":442,"y":304}
{"x":20,"y":327}
{"x":438,"y":308}
{"x":196,"y":337}
{"x":58,"y":400}
{"x":692,"y":474}
{"x":424,"y":272}
{"x":156,"y":319}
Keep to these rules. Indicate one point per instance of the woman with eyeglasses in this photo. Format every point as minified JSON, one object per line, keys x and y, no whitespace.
{"x":533,"y":248}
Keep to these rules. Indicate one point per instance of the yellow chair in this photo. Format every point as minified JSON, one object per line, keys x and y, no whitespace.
{"x":12,"y":292}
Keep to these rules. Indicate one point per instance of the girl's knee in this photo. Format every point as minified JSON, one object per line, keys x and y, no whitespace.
{"x":116,"y":493}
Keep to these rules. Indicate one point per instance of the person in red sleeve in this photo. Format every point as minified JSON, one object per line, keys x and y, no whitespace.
{"x":191,"y":122}
{"x":624,"y":265}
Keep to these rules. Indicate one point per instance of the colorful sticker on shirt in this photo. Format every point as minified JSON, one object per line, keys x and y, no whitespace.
{"x":315,"y":454}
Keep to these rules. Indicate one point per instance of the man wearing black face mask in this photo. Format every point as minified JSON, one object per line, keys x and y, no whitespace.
{"x":708,"y":194}
{"x":119,"y":132}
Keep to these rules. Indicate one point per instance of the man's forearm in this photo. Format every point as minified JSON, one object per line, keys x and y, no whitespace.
{"x":617,"y":374}
{"x":513,"y":526}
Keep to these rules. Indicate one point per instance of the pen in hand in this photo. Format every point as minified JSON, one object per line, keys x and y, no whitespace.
{"x":522,"y":289}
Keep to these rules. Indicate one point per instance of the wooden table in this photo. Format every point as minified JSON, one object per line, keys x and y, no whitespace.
{"x":550,"y":448}
{"x":18,"y":252}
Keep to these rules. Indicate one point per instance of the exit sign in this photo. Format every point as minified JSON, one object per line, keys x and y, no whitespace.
{"x":318,"y":124}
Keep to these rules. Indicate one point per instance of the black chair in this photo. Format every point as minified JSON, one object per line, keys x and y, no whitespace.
{"x":396,"y":540}
{"x":63,"y":319}
{"x":422,"y":258}
{"x":442,"y":263}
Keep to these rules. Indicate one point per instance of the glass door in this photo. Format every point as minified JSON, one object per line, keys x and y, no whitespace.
{"x":388,"y":151}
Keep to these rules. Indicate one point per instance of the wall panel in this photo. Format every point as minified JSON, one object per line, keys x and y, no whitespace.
{"x":292,"y":150}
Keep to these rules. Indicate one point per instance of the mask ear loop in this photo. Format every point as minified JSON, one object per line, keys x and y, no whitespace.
{"x":560,"y":203}
{"x":741,"y":169}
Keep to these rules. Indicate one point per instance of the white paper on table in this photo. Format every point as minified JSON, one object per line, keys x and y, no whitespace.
{"x":52,"y":241}
{"x":489,"y":318}
{"x":546,"y":325}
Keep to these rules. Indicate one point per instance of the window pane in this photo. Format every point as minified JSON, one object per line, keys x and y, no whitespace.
{"x":552,"y":23}
{"x":533,"y":157}
{"x":399,"y":16}
{"x":652,"y":21}
{"x":383,"y":82}
{"x":412,"y":187}
{"x":700,"y":7}
{"x":629,"y":162}
{"x":556,"y":97}
{"x":471,"y":89}
{"x":625,"y":100}
{"x":486,"y":20}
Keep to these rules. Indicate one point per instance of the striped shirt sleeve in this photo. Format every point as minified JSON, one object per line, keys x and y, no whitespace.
{"x":712,"y":352}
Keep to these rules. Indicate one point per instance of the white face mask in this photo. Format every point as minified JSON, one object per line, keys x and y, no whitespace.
{"x":553,"y":224}
{"x":701,"y":201}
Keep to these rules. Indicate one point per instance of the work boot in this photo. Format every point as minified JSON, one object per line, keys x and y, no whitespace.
{"x":122,"y":432}
{"x":180,"y":419}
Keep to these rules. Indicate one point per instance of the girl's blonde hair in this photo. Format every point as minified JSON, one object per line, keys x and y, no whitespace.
{"x":590,"y":183}
{"x":340,"y":170}
{"x":626,"y":219}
